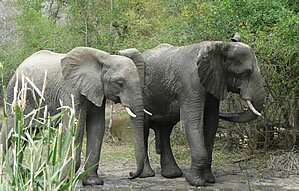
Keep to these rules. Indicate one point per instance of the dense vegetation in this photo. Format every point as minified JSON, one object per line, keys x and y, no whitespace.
{"x":270,"y":27}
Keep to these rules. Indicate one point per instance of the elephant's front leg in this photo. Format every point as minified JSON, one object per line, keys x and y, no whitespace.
{"x":192,"y":116}
{"x":147,"y":170}
{"x":211,"y":119}
{"x":95,"y":127}
{"x":169,"y":167}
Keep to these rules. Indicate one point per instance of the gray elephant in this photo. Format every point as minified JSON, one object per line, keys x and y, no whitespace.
{"x":90,"y":76}
{"x":187,"y":83}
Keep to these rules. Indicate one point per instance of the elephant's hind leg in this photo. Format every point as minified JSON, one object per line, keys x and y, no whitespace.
{"x":5,"y":137}
{"x":169,"y":167}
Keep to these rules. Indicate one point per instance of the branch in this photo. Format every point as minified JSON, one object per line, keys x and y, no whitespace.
{"x":243,"y":159}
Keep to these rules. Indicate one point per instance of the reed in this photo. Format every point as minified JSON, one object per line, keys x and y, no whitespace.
{"x":42,"y":157}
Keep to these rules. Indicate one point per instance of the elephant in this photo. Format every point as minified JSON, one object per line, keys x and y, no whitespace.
{"x":86,"y":77}
{"x":187,"y":83}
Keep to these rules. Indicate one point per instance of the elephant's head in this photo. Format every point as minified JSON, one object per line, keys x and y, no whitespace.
{"x":232,"y":67}
{"x":136,"y":56}
{"x":98,"y":75}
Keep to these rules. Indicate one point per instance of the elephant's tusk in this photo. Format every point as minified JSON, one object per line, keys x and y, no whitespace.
{"x":252,"y":108}
{"x":147,"y":112}
{"x":130,"y":112}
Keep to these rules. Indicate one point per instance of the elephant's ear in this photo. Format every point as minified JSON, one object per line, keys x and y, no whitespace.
{"x":82,"y":69}
{"x":210,"y":64}
{"x":137,"y":58}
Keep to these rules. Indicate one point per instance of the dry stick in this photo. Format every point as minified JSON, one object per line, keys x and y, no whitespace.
{"x":248,"y":179}
{"x":243,"y":159}
{"x":111,"y":124}
{"x":110,"y":118}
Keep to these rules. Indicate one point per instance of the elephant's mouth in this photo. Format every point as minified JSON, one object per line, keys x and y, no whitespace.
{"x":234,"y":89}
{"x":115,"y":99}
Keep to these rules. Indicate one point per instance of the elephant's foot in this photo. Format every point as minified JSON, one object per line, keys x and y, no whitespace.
{"x":195,"y":177}
{"x":147,"y":172}
{"x":92,"y":180}
{"x":171,"y":171}
{"x":209,"y":177}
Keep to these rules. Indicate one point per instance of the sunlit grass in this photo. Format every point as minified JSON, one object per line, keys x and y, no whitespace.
{"x":115,"y":153}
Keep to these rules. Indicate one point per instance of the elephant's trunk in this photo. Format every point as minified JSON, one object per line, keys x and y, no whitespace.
{"x":257,"y":98}
{"x":138,"y":132}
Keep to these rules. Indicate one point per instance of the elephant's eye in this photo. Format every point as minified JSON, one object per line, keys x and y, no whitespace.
{"x":120,"y":82}
{"x":247,"y":73}
{"x":244,"y":74}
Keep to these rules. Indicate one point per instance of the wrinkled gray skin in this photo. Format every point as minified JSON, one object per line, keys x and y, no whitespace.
{"x":187,"y":83}
{"x":91,"y":76}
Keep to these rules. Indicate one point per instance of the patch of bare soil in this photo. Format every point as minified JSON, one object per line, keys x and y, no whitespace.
{"x":229,"y":177}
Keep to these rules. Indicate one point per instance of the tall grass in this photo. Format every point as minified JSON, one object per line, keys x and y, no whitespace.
{"x":42,"y":156}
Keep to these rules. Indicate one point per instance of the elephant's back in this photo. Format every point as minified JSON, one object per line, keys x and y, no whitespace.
{"x":157,"y":52}
{"x":40,"y":62}
{"x":34,"y":69}
{"x":158,"y":60}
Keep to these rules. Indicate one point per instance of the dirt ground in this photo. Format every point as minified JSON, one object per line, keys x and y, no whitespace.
{"x":229,"y":177}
